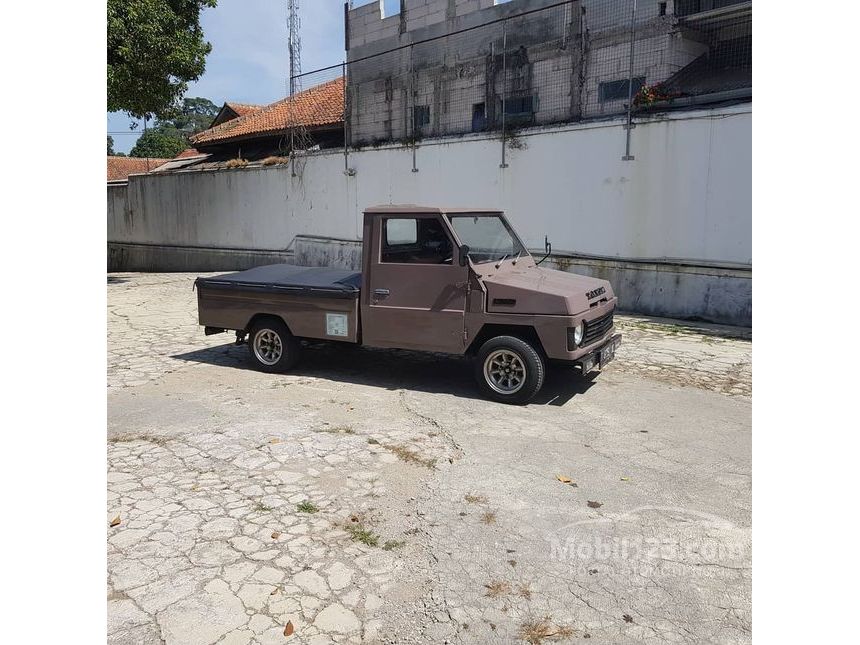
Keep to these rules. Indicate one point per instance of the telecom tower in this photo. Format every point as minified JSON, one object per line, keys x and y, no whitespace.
{"x":294,"y":45}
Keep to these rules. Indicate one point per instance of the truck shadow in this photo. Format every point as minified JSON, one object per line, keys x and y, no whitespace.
{"x":395,"y":369}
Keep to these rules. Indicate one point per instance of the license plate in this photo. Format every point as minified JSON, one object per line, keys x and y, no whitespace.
{"x":607,"y":353}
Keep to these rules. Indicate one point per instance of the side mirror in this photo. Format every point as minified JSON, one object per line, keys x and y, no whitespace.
{"x":464,"y":255}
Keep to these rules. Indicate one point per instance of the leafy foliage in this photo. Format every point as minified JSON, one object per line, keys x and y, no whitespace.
{"x":159,"y":143}
{"x":195,"y":115}
{"x":110,"y":145}
{"x":154,"y":48}
{"x":169,"y":137}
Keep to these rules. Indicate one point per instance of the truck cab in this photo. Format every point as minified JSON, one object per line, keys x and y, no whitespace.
{"x":456,"y":281}
{"x":452,"y":280}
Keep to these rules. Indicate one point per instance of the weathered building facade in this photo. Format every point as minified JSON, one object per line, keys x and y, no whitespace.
{"x":441,"y":67}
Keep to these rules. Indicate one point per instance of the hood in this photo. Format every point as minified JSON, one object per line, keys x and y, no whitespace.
{"x":534,"y":290}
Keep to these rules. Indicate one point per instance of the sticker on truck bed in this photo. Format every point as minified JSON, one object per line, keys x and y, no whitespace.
{"x":336,"y":325}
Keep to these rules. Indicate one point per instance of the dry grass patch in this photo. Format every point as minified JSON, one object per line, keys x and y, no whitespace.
{"x":404,"y":453}
{"x":497,"y":588}
{"x":337,"y":430}
{"x":536,"y":632}
{"x":140,"y":436}
{"x":236,"y":163}
{"x":489,"y":517}
{"x":474,"y":498}
{"x":274,"y":161}
{"x":523,"y":591}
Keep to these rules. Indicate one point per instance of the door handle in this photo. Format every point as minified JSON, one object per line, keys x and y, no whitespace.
{"x":381,"y":293}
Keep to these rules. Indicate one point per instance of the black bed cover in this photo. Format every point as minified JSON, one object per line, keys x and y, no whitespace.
{"x":287,"y":278}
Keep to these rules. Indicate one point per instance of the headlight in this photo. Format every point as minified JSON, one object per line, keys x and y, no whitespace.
{"x":577,"y":333}
{"x":574,"y":336}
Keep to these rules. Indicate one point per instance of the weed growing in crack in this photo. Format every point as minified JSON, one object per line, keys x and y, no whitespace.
{"x":260,"y":507}
{"x":361,"y":534}
{"x":473,"y":498}
{"x":307,"y":506}
{"x":390,"y":545}
{"x":489,"y":517}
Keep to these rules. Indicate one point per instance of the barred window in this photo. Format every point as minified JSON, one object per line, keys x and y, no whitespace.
{"x":618,"y":90}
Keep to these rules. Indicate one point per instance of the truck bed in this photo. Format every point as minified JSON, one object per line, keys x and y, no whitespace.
{"x":314,"y":302}
{"x":283,"y":278}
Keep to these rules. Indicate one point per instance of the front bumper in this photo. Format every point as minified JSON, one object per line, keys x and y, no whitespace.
{"x":600,"y":356}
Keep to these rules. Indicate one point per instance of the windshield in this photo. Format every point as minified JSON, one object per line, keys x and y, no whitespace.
{"x":488,"y":237}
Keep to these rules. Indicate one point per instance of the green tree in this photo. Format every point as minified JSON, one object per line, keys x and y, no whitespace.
{"x":154,"y":48}
{"x":159,"y":142}
{"x":195,"y":115}
{"x":168,"y":137}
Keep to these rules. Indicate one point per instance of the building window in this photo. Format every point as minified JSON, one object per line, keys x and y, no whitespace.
{"x":389,"y":8}
{"x":519,"y":108}
{"x":420,"y":116}
{"x":415,"y":240}
{"x":618,"y":90}
{"x":479,"y":117}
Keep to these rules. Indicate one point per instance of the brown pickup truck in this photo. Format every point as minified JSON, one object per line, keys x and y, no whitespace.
{"x":439,"y":280}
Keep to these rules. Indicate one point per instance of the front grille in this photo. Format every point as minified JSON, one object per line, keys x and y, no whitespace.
{"x":597,"y":328}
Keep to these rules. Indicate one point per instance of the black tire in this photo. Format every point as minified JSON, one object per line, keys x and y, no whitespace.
{"x":491,"y":360}
{"x":271,"y":345}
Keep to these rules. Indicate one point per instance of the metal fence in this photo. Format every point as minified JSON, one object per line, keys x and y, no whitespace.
{"x":501,"y":68}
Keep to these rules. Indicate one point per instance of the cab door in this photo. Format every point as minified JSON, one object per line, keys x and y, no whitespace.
{"x":416,"y":289}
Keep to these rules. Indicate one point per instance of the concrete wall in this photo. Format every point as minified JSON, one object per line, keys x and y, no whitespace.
{"x":674,"y":225}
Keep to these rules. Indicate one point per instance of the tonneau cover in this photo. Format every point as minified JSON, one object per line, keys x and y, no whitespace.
{"x":287,"y":278}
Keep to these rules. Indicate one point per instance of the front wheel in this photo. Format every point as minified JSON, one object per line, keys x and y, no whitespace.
{"x":272,"y":347}
{"x":509,"y":370}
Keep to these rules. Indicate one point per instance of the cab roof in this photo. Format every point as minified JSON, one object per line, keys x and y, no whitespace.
{"x":414,"y":208}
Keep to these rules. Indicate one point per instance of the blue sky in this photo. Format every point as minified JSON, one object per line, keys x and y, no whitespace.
{"x":249,"y":62}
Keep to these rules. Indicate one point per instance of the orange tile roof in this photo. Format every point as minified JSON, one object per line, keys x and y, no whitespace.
{"x":189,"y":152}
{"x":119,"y":168}
{"x":317,"y":106}
{"x":243,"y":108}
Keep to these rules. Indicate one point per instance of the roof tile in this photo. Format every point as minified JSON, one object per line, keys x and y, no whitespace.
{"x":119,"y":168}
{"x":317,"y":106}
{"x":243,"y":108}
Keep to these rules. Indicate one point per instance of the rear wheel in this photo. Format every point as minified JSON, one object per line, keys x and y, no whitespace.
{"x":271,"y":345}
{"x":510,"y":370}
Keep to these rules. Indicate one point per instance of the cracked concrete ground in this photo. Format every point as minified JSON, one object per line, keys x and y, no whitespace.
{"x":371,"y":496}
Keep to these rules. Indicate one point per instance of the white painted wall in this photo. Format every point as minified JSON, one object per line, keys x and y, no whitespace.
{"x":686,"y":196}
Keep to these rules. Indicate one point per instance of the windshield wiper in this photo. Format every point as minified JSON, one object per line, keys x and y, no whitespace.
{"x":516,"y":259}
{"x":499,"y":263}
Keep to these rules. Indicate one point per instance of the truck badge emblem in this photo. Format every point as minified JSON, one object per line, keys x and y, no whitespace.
{"x":595,"y":292}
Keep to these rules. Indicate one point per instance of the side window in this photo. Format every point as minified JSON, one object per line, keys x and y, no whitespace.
{"x":401,"y":232}
{"x":415,"y":240}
